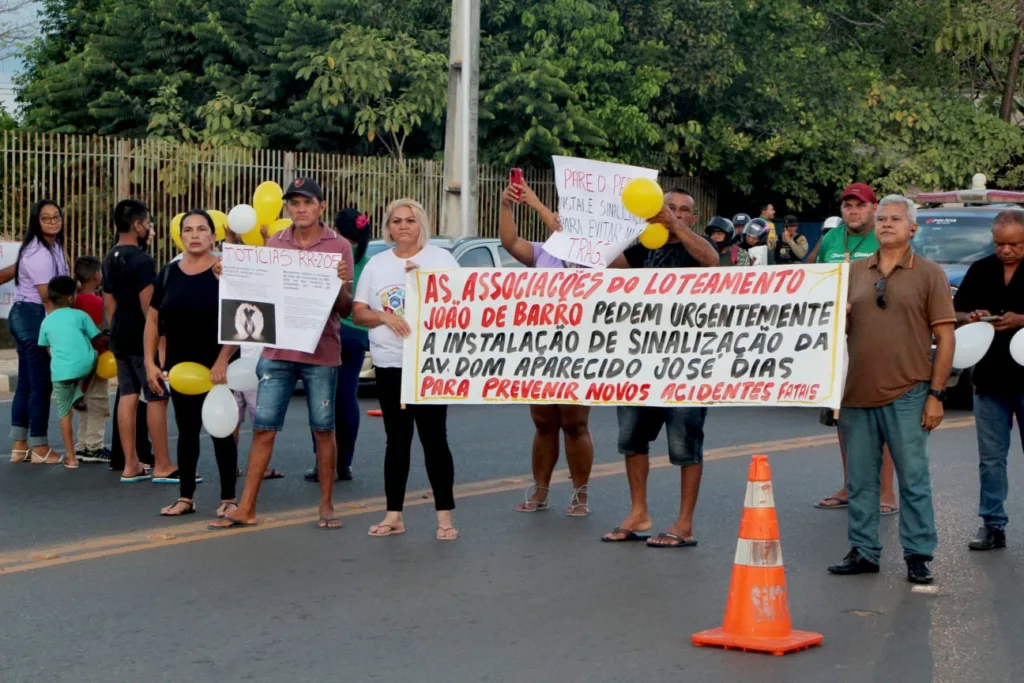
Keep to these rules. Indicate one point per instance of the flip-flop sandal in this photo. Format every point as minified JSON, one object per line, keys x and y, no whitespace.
{"x":885,"y":509}
{"x":840,"y":503}
{"x":325,"y":524}
{"x":273,"y":474}
{"x":235,"y":523}
{"x":630,"y":535}
{"x":70,"y":465}
{"x":224,"y":508}
{"x":442,"y":529}
{"x":190,"y":509}
{"x":680,"y":542}
{"x":175,"y":478}
{"x":141,"y":476}
{"x":391,"y":530}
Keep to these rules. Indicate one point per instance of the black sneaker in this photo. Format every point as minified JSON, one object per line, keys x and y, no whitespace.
{"x":100,"y":455}
{"x":854,"y":563}
{"x":311,"y":475}
{"x":917,"y":569}
{"x":344,"y":474}
{"x":988,"y":539}
{"x":84,"y":455}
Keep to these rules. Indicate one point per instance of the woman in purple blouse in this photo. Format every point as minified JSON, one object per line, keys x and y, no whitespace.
{"x":40,"y":259}
{"x":549,"y":420}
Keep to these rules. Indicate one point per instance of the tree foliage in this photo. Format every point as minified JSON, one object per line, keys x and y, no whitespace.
{"x":787,"y":99}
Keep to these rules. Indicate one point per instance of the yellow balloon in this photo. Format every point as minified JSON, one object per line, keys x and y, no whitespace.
{"x":253,"y":238}
{"x":106,"y":366}
{"x":268,"y":200}
{"x":220,"y":222}
{"x":176,"y":234}
{"x":643,"y":198}
{"x":191,"y":379}
{"x":279,"y":225}
{"x":655,"y":236}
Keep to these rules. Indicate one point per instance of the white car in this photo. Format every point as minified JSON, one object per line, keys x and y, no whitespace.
{"x":470,"y":252}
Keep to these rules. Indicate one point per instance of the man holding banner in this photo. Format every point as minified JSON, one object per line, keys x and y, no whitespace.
{"x":639,"y":425}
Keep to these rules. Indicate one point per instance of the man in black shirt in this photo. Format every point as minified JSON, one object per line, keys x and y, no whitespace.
{"x":993,"y":290}
{"x":684,"y":426}
{"x":128,"y":276}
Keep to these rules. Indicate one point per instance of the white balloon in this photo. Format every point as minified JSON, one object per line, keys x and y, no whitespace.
{"x":242,"y":375}
{"x":242,"y":219}
{"x":972,"y":342}
{"x":220,"y":412}
{"x":1017,"y":347}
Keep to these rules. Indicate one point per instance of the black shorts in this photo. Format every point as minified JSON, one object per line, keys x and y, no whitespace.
{"x":131,"y":379}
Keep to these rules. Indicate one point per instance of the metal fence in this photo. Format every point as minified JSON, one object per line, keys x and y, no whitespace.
{"x":87,"y":175}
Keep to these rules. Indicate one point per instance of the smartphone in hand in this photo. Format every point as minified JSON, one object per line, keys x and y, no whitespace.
{"x":515,"y":177}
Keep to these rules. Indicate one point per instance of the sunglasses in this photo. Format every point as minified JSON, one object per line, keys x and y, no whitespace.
{"x":880,"y":294}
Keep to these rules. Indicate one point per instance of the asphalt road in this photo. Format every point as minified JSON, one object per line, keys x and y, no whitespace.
{"x":94,"y":586}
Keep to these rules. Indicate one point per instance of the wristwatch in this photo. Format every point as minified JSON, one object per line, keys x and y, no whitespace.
{"x":938,"y":393}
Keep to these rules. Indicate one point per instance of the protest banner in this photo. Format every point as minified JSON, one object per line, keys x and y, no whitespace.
{"x":8,"y":255}
{"x":279,"y":298}
{"x":595,"y":225}
{"x":658,"y":337}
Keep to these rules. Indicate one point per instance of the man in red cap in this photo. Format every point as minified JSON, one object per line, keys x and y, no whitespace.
{"x":854,"y":239}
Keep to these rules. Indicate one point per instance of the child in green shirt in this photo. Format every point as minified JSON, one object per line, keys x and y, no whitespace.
{"x":67,"y":334}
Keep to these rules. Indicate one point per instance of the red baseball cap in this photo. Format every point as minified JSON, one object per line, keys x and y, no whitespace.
{"x":861,"y":191}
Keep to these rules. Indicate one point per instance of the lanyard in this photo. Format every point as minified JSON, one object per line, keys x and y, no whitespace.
{"x":846,"y":245}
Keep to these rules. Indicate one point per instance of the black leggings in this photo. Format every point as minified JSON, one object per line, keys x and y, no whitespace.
{"x":431,"y":423}
{"x":188,"y":415}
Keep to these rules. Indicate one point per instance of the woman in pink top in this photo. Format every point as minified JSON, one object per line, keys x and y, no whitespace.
{"x":40,"y":259}
{"x":549,"y":420}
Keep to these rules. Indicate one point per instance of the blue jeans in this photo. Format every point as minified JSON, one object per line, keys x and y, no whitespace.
{"x":346,"y":405}
{"x":30,"y":411}
{"x":277,"y":381}
{"x":865,"y":431}
{"x":993,"y":419}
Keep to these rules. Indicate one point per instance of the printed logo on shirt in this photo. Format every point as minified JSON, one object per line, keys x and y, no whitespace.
{"x":392,"y":299}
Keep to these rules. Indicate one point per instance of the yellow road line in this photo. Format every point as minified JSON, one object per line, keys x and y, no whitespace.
{"x":108,"y":546}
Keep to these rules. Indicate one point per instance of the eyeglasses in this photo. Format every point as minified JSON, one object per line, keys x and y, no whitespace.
{"x":49,"y":219}
{"x":880,"y":292}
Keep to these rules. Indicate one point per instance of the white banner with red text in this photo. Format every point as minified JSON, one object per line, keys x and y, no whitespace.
{"x":653,"y":337}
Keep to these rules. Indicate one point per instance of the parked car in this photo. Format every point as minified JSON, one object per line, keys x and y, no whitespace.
{"x":470,"y":252}
{"x":955,"y":230}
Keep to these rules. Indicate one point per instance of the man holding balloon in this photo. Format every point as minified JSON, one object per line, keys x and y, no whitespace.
{"x":279,"y":369}
{"x":992,"y":294}
{"x":668,"y":242}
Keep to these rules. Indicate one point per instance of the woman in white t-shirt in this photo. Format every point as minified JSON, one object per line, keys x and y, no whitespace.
{"x":380,"y":306}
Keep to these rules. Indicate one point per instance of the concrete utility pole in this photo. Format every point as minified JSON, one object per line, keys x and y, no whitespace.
{"x":459,"y":210}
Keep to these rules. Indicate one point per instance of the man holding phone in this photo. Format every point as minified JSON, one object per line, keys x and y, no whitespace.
{"x":993,"y":291}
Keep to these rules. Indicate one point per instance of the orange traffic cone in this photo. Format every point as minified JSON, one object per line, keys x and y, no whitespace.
{"x":757,"y":611}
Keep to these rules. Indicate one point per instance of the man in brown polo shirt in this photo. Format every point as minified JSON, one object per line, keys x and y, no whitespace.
{"x":894,"y":391}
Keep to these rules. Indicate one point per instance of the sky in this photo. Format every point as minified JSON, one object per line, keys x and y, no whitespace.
{"x":10,"y":67}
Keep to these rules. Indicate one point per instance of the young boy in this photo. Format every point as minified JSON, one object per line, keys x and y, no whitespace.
{"x":67,"y":334}
{"x":92,"y":423}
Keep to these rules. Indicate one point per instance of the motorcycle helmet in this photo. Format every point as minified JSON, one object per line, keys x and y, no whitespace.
{"x":719,"y":224}
{"x":740,"y":219}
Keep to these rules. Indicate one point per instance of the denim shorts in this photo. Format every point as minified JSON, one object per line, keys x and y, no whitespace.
{"x":277,"y":384}
{"x":684,"y":427}
{"x":131,"y":379}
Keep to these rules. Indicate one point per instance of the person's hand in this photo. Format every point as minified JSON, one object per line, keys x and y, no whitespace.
{"x":556,"y":223}
{"x":265,"y":232}
{"x":527,"y":195}
{"x":932,"y":415}
{"x":976,"y":316}
{"x":342,"y":270}
{"x":219,"y":371}
{"x":1008,"y":321}
{"x":155,"y":378}
{"x":397,"y":325}
{"x":511,"y":195}
{"x":218,"y":267}
{"x":411,"y":265}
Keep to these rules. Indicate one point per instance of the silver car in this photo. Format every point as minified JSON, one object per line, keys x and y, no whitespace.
{"x":470,"y":252}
